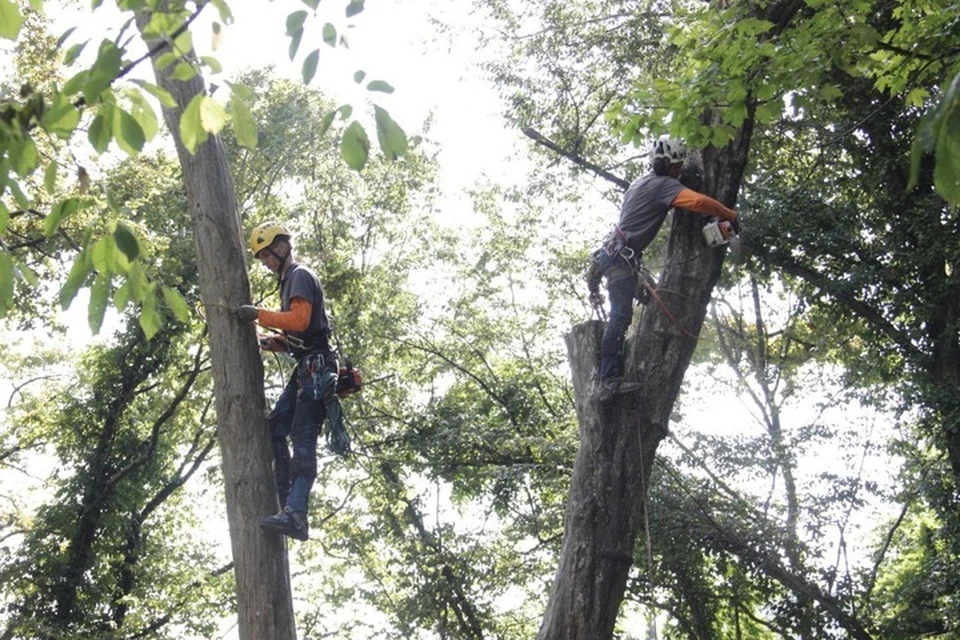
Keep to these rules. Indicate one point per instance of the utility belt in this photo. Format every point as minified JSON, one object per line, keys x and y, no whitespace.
{"x":316,"y":373}
{"x":617,"y":246}
{"x":617,"y":260}
{"x":300,"y":348}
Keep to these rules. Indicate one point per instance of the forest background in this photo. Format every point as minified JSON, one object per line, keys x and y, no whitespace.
{"x":808,"y":486}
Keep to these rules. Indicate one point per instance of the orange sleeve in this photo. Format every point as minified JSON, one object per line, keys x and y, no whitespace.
{"x":690,"y":199}
{"x":297,"y":319}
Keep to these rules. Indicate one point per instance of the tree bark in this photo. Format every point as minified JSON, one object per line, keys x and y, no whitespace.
{"x":605,"y":508}
{"x":264,"y":598}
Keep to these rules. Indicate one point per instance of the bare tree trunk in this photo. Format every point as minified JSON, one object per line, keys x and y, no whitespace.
{"x":264,"y":599}
{"x":618,"y":443}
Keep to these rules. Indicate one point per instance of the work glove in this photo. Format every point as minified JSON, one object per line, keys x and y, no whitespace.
{"x":248,"y":313}
{"x":272,"y":343}
{"x":596,"y":298}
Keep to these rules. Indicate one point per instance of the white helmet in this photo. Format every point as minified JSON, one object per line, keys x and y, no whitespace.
{"x":673,"y":149}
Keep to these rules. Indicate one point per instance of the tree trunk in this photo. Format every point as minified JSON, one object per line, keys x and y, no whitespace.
{"x":605,"y":508}
{"x":264,"y":599}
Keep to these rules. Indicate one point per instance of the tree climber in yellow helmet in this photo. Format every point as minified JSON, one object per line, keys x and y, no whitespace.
{"x":310,"y":396}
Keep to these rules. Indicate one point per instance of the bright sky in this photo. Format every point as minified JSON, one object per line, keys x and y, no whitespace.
{"x":433,"y":71}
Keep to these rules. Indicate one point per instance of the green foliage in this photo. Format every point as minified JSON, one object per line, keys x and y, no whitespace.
{"x":113,"y":108}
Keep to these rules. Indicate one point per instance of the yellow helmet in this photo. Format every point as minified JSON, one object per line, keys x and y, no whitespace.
{"x":264,"y":234}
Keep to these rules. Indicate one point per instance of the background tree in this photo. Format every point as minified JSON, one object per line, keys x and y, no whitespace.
{"x":737,"y":63}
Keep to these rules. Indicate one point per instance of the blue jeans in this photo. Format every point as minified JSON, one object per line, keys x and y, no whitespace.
{"x":295,"y":421}
{"x":621,"y":293}
{"x":621,"y":313}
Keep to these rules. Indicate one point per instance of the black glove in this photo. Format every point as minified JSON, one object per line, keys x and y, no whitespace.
{"x":248,"y":313}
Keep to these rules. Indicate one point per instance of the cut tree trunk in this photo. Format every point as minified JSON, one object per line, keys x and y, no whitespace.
{"x":618,"y":443}
{"x":264,"y":599}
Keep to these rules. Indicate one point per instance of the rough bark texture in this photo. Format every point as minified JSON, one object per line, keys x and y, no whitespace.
{"x":618,"y":443}
{"x":264,"y":599}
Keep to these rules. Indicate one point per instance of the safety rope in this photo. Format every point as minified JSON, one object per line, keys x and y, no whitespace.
{"x":646,"y":522}
{"x":656,"y":296}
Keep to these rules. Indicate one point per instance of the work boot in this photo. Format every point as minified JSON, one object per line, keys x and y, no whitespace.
{"x":613,"y":387}
{"x":289,"y":523}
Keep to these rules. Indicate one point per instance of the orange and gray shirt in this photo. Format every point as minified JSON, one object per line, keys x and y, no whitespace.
{"x":647,"y":201}
{"x":302,"y":315}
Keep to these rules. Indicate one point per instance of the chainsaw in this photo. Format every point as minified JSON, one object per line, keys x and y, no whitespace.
{"x":718,"y":232}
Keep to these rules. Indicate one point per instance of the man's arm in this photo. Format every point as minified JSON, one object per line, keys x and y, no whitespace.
{"x":297,"y":319}
{"x":690,"y":199}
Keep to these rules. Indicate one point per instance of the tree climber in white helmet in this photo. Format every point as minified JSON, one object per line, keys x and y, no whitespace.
{"x":645,"y":207}
{"x":311,"y":393}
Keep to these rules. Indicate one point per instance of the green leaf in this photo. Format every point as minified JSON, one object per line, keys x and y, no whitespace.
{"x":161,"y":94}
{"x":241,"y":90}
{"x":166,"y":59}
{"x":126,"y":241}
{"x":121,"y":296}
{"x":60,"y":118}
{"x":22,"y":200}
{"x":101,"y":129}
{"x":63,"y":36}
{"x":380,"y":85}
{"x":359,"y":75}
{"x":212,"y":63}
{"x":345,"y":111}
{"x":355,"y":146}
{"x":310,"y":66}
{"x":244,"y":127}
{"x":4,"y":217}
{"x":62,"y":210}
{"x":10,"y":19}
{"x":78,"y":274}
{"x":103,"y":72}
{"x":143,"y":113}
{"x":946,"y":173}
{"x":6,"y":283}
{"x":99,"y":294}
{"x":213,"y":116}
{"x":150,"y":319}
{"x":50,"y":178}
{"x":330,"y":34}
{"x":139,"y":286}
{"x":24,"y":156}
{"x":295,"y":43}
{"x":27,"y":273}
{"x":355,"y":7}
{"x":184,"y":42}
{"x":225,"y":14}
{"x":295,"y":22}
{"x":392,"y":139}
{"x":192,"y":132}
{"x":326,"y":121}
{"x":313,"y":4}
{"x":130,"y":136}
{"x":73,"y":53}
{"x":102,"y":255}
{"x":177,"y":304}
{"x":183,"y":71}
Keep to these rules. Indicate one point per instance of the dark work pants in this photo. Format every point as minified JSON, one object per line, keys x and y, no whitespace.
{"x":295,"y":422}
{"x":621,"y":293}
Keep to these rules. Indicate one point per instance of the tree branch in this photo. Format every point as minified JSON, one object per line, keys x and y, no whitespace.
{"x":576,"y":158}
